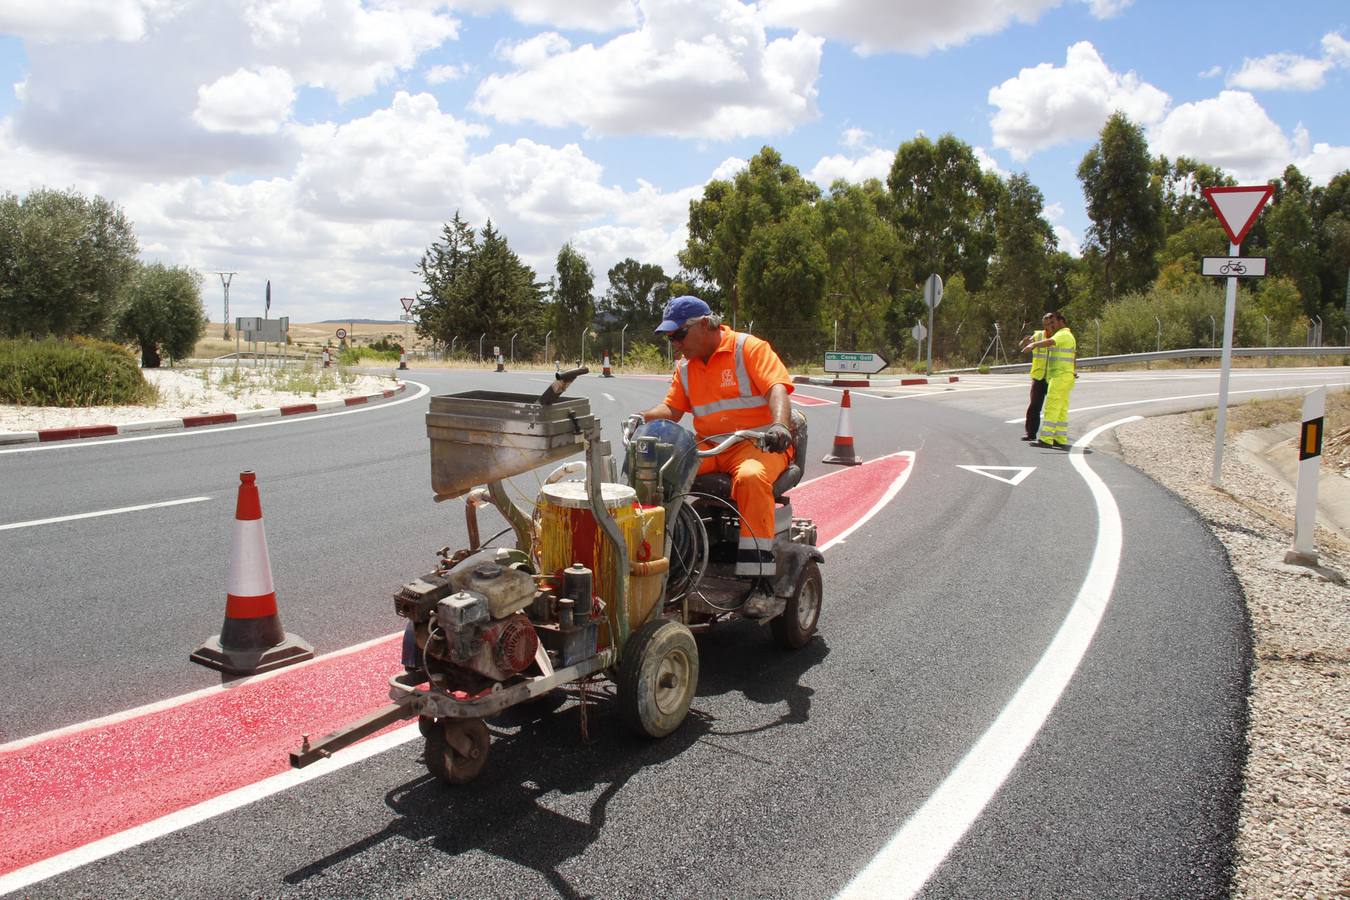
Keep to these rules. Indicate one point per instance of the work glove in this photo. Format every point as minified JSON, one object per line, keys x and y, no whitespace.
{"x":777,"y":438}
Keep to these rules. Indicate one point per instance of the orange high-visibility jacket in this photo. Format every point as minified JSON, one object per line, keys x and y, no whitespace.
{"x":730,"y":390}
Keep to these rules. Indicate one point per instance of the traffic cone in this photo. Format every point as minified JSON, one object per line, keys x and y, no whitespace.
{"x":501,"y":363}
{"x":403,"y":360}
{"x":605,"y":372}
{"x":842,"y":453}
{"x":251,"y":640}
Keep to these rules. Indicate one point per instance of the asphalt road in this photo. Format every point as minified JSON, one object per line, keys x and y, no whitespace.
{"x":793,"y":771}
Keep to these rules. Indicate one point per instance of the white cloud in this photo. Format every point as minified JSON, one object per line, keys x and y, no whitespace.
{"x":1068,"y":241}
{"x":1291,"y":72}
{"x":728,"y":168}
{"x":74,"y":20}
{"x":1047,"y":104}
{"x":875,"y":164}
{"x":700,"y":69}
{"x":988,"y":163}
{"x":855,"y":137}
{"x":342,"y":44}
{"x":442,"y":74}
{"x":908,"y":26}
{"x":1212,"y":72}
{"x":587,"y":15}
{"x":1107,"y":9}
{"x":246,"y":102}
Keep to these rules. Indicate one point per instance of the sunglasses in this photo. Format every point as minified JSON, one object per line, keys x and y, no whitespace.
{"x":678,"y":335}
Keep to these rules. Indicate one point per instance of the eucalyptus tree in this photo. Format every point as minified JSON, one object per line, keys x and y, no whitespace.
{"x":1124,"y":202}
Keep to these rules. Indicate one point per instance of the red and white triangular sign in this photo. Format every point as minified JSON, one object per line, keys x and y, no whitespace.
{"x":1238,"y":207}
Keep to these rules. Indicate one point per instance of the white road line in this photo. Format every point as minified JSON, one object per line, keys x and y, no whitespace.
{"x":1082,"y":409}
{"x":609,"y":397}
{"x":217,"y":429}
{"x":101,"y":512}
{"x":916,"y":851}
{"x":192,"y":815}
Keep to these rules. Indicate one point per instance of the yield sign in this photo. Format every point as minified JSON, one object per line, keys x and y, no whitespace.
{"x":1019,"y":473}
{"x":1238,"y":207}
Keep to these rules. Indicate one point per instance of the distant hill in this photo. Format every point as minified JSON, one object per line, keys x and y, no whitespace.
{"x":359,"y":322}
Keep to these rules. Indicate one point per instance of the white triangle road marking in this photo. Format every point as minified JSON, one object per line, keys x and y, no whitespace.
{"x":1019,"y":476}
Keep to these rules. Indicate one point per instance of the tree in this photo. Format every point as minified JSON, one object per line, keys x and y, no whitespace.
{"x":162,"y":312}
{"x":863,"y":259}
{"x":1021,"y":272}
{"x":1124,"y":203}
{"x":1182,"y":185}
{"x":637,"y":293}
{"x":573,"y":303}
{"x":64,"y":259}
{"x":441,"y":267}
{"x":942,"y":206}
{"x":1291,"y":240}
{"x":782,"y":281}
{"x":723,"y":223}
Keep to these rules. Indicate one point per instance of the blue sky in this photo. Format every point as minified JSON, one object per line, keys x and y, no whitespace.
{"x":322,"y":143}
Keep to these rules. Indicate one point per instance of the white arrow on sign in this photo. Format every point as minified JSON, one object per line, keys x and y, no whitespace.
{"x":863,"y":363}
{"x":1021,"y":473}
{"x":1238,"y":207}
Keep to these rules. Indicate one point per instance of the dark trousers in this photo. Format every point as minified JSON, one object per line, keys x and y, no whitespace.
{"x":1038,"y":388}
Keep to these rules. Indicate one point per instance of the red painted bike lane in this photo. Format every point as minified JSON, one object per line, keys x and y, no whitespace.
{"x":83,"y":784}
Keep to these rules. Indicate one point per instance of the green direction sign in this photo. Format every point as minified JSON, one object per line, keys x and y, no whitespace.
{"x":860,"y":363}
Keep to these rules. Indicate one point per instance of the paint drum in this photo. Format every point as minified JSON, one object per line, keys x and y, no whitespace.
{"x":568,"y":534}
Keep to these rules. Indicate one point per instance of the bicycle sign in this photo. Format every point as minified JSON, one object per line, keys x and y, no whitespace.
{"x":1233,"y":266}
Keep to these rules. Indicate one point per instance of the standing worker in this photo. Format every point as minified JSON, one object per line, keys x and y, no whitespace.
{"x":729,"y":381}
{"x":1061,"y":369}
{"x":1038,"y":383}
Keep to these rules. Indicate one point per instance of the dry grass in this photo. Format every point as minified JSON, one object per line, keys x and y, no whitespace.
{"x":312,"y":336}
{"x":1286,"y":410}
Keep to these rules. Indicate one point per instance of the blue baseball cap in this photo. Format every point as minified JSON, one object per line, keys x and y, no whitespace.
{"x":681,"y":310}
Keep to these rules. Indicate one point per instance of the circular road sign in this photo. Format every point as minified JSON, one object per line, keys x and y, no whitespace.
{"x":919,"y":332}
{"x":342,"y":332}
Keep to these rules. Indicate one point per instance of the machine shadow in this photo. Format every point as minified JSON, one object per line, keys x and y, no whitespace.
{"x":538,"y":750}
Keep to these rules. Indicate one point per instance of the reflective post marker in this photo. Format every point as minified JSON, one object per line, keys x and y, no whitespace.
{"x":1309,"y":463}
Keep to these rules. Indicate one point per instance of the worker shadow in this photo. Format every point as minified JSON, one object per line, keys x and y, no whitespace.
{"x":741,"y":657}
{"x":513,"y":810}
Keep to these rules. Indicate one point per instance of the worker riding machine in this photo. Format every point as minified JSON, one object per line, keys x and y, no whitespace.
{"x":611,"y":575}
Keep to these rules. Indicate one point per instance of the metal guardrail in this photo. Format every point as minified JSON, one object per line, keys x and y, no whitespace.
{"x":1193,"y":353}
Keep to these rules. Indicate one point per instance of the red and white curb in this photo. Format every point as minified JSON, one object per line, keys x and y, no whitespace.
{"x":875,"y":383}
{"x":88,"y":431}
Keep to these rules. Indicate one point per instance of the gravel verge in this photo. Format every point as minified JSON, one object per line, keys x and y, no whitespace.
{"x":1295,"y":814}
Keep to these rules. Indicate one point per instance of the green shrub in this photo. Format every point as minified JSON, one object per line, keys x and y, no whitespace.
{"x":984,"y":368}
{"x":78,"y":372}
{"x":645,"y":357}
{"x":352,"y":356}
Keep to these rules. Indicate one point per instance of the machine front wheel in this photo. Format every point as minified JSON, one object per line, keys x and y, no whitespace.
{"x":797,"y":624}
{"x":658,"y":677}
{"x":457,"y":750}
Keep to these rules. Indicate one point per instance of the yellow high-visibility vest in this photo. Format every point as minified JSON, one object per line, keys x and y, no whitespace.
{"x":1038,"y":356}
{"x":1059,"y":360}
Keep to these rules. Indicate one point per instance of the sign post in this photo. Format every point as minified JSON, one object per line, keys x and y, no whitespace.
{"x":1237,"y":209}
{"x":932,"y":296}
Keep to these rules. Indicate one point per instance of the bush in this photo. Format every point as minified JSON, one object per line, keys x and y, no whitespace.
{"x":352,"y":356}
{"x":79,"y":372}
{"x":645,"y":357}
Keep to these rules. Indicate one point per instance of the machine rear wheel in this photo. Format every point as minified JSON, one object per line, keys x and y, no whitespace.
{"x":797,"y":625}
{"x":658,"y":677}
{"x":457,"y":751}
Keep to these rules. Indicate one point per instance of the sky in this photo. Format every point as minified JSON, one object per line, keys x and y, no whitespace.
{"x":322,"y":144}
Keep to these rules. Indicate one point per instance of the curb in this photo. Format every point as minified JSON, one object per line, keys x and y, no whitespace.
{"x":865,"y":383}
{"x":46,"y":435}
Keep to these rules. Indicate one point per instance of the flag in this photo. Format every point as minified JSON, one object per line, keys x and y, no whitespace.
{"x":268,"y":307}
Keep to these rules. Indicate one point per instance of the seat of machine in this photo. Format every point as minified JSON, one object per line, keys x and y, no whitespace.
{"x":718,"y":484}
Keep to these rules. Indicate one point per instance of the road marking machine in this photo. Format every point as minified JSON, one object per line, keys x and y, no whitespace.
{"x":612,"y":573}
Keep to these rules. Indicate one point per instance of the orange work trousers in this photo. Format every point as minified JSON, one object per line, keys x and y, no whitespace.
{"x":753,"y":472}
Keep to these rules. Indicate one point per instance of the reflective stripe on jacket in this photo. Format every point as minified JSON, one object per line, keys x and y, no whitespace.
{"x":1038,"y":356}
{"x":1060,"y":357}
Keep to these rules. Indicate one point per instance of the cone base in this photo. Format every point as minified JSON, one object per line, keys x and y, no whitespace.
{"x":251,"y":662}
{"x":849,"y":460}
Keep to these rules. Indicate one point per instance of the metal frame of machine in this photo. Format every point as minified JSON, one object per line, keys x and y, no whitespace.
{"x":492,"y":632}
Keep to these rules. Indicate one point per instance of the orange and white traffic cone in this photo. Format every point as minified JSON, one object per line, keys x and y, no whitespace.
{"x":252,"y":639}
{"x":605,"y":372}
{"x":501,"y":363}
{"x":842,"y":453}
{"x":403,"y":360}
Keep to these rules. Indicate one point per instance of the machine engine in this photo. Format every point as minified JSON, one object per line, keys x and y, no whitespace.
{"x":468,"y":636}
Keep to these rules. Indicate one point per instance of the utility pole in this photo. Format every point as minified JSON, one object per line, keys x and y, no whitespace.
{"x":225,"y":279}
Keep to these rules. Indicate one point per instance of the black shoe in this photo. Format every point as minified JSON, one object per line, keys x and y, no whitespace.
{"x":1043,"y":445}
{"x":1028,"y":438}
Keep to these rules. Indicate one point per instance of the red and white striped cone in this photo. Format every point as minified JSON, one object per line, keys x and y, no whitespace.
{"x":842,"y":453}
{"x":501,"y":363}
{"x":403,"y":360}
{"x":252,"y":639}
{"x":604,"y":371}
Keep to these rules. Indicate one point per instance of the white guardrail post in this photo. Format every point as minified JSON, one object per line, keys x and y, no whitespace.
{"x":1309,"y":464}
